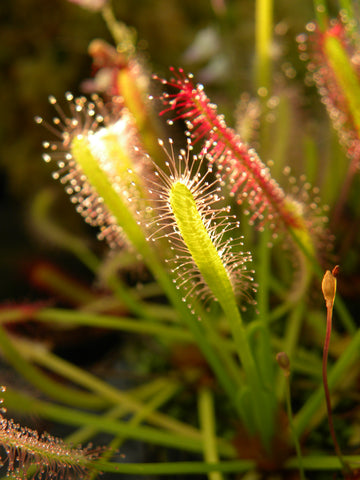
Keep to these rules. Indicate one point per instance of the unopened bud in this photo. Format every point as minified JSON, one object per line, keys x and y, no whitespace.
{"x":329,"y":287}
{"x":283,"y":362}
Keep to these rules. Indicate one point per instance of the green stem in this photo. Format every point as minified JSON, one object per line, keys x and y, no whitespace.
{"x":104,"y":390}
{"x":291,"y":424}
{"x":122,"y":35}
{"x":303,"y":361}
{"x":62,"y":285}
{"x":293,"y":326}
{"x":204,"y":253}
{"x":261,"y":400}
{"x":144,"y":392}
{"x":321,"y":462}
{"x":171,"y":333}
{"x":42,"y":381}
{"x":177,"y":468}
{"x":73,"y":317}
{"x":64,"y":415}
{"x":126,"y":219}
{"x":263,"y":82}
{"x":281,"y":136}
{"x":41,"y":217}
{"x":263,"y":275}
{"x":131,"y":86}
{"x":264,"y":354}
{"x":311,"y":159}
{"x":225,"y":352}
{"x":263,"y":65}
{"x":159,"y":399}
{"x":208,"y":428}
{"x":143,"y":328}
{"x":263,"y":42}
{"x":321,"y":13}
{"x":281,"y":310}
{"x":347,"y":7}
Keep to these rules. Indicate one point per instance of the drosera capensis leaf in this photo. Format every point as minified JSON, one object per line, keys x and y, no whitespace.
{"x":205,"y":255}
{"x":103,"y":203}
{"x":186,"y":201}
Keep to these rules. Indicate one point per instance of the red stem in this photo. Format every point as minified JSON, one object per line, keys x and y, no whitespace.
{"x":329,"y":307}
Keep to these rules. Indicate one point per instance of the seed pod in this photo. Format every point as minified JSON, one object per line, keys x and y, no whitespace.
{"x":329,"y":288}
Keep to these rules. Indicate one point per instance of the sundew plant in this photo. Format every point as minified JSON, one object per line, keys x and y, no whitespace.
{"x":229,"y":248}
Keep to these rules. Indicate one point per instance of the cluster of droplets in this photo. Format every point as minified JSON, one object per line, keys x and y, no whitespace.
{"x":288,"y":69}
{"x":2,"y":408}
{"x":105,"y":130}
{"x":305,"y":201}
{"x":238,"y":165}
{"x":247,"y":115}
{"x":192,"y":172}
{"x":27,"y":453}
{"x":311,"y":47}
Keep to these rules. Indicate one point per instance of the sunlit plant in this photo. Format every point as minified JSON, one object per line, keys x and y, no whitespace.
{"x":227,"y":253}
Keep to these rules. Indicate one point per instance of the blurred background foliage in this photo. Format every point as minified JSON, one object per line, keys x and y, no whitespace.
{"x":43,"y":51}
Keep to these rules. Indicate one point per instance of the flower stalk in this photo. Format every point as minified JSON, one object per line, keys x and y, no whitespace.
{"x":284,"y":363}
{"x":329,"y":291}
{"x":263,"y":43}
{"x":208,"y":427}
